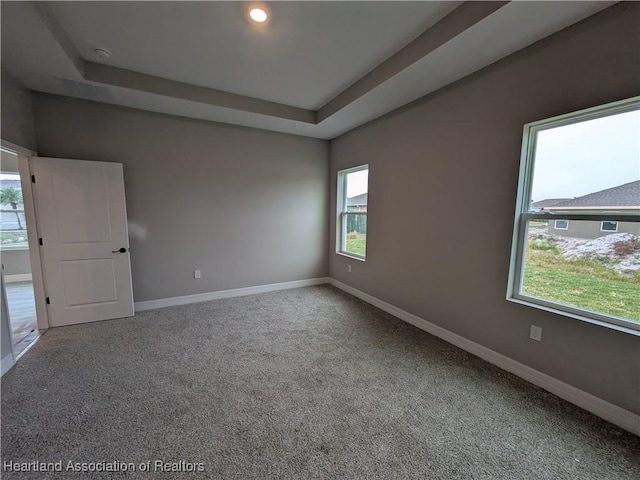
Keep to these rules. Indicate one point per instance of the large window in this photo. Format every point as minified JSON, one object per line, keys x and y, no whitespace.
{"x":353,"y":192}
{"x":576,"y":247}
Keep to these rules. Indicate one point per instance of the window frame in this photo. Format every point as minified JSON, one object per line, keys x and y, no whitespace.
{"x":342,"y":214}
{"x":602,"y":229}
{"x":523,"y":215}
{"x":556,"y":227}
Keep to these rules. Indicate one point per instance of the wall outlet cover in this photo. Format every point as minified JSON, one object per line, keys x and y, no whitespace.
{"x":535,"y":333}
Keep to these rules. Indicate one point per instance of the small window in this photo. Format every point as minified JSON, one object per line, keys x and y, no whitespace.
{"x":353,"y":193}
{"x":561,"y":224}
{"x":609,"y":226}
{"x":576,"y":241}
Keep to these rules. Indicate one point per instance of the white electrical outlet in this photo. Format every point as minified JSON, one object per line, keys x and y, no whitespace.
{"x":349,"y":268}
{"x":535,"y":333}
{"x":196,"y":274}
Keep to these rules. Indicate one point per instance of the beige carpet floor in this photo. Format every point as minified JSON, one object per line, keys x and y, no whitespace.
{"x":298,"y":384}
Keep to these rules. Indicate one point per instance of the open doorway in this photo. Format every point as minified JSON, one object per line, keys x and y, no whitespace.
{"x":14,"y":254}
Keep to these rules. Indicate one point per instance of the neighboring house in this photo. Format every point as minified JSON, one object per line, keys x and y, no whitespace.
{"x":357,"y":203}
{"x":357,"y":223}
{"x":621,"y":199}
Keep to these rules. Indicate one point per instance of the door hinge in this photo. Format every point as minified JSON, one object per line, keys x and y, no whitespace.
{"x":40,"y":241}
{"x":48,"y":301}
{"x":33,"y":179}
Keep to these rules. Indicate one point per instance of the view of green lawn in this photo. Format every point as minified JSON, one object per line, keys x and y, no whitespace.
{"x":11,"y":238}
{"x":588,"y":283}
{"x":357,"y":244}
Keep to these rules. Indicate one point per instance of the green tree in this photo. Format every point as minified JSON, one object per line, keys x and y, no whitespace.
{"x":12,"y":196}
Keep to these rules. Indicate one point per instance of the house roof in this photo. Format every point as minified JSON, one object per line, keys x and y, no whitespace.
{"x":627,"y":195}
{"x":548,"y":202}
{"x":358,"y":199}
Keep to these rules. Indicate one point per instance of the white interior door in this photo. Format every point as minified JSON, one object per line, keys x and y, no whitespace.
{"x":82,"y":220}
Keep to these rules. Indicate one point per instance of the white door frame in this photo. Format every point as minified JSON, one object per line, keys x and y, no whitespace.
{"x":32,"y":232}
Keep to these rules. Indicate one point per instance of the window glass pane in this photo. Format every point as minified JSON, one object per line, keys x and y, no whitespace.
{"x":585,"y":267}
{"x":609,"y":226}
{"x":356,"y":234}
{"x":355,"y":204}
{"x":357,"y":191}
{"x":13,"y":233}
{"x":587,"y":166}
{"x":561,"y":224}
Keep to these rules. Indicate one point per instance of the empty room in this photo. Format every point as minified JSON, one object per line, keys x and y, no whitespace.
{"x":320,"y":239}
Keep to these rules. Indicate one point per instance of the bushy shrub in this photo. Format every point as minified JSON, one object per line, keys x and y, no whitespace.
{"x":543,"y":244}
{"x":627,"y":247}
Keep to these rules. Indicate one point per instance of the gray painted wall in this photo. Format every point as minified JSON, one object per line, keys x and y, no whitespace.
{"x":17,"y":116}
{"x":246,"y":207}
{"x":442,"y":191}
{"x":16,"y":262}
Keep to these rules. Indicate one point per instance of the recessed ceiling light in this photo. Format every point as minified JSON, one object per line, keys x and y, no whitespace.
{"x":258,"y":14}
{"x":102,"y":52}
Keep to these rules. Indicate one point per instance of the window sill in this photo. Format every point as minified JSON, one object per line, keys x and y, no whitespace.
{"x":532,"y":302}
{"x":354,"y":257}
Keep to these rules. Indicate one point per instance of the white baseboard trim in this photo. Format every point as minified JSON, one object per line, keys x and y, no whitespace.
{"x":21,"y":277}
{"x":6,"y":363}
{"x":236,"y":292}
{"x":603,"y":409}
{"x":28,"y":347}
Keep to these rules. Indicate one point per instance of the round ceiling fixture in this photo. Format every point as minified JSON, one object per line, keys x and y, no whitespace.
{"x":258,"y":14}
{"x":102,"y":52}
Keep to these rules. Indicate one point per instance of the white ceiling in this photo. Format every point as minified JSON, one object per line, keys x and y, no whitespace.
{"x":205,"y":60}
{"x":309,"y":51}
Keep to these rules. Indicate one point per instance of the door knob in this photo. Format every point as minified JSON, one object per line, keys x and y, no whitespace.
{"x":122,"y":250}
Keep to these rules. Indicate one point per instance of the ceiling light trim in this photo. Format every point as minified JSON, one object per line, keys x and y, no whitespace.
{"x":260,"y":8}
{"x":102,"y":53}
